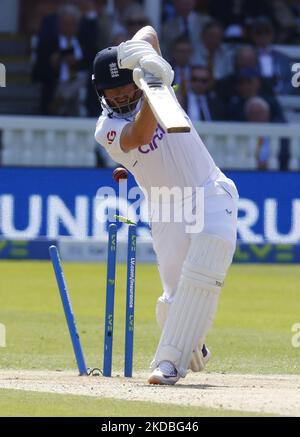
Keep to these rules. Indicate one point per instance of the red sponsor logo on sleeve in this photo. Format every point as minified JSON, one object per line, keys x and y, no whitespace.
{"x":111,"y":136}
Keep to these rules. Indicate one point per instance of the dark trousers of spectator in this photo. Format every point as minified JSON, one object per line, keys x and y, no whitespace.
{"x":284,"y":154}
{"x":46,"y":97}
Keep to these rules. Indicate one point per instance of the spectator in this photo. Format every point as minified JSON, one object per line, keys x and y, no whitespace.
{"x":94,"y":30}
{"x":245,"y":58}
{"x":134,"y":19}
{"x":202,"y":102}
{"x":248,"y":85}
{"x":257,"y":110}
{"x":287,"y":17}
{"x":181,"y":56}
{"x":186,"y":23}
{"x":120,"y":37}
{"x":95,"y":33}
{"x":273,"y":65}
{"x":238,"y":12}
{"x":167,"y":10}
{"x":213,"y":52}
{"x":89,"y":31}
{"x":118,"y":14}
{"x":59,"y":66}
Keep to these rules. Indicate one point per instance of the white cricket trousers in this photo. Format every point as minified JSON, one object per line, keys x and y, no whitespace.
{"x":171,"y":242}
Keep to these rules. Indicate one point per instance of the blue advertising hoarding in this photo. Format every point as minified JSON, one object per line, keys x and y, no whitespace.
{"x":52,"y":203}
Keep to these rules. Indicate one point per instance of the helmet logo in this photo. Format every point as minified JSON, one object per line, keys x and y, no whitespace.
{"x":111,"y":136}
{"x":114,"y":72}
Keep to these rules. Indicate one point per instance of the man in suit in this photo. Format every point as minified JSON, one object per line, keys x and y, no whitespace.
{"x":245,"y":58}
{"x":181,"y":56}
{"x":212,"y":52}
{"x":186,"y":22}
{"x":59,"y":61}
{"x":257,"y":110}
{"x":248,"y":85}
{"x":273,"y":65}
{"x":202,"y":102}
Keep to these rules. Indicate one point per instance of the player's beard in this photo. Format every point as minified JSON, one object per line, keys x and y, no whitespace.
{"x":128,"y":107}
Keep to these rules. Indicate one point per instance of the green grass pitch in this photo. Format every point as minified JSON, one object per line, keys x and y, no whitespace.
{"x":252,"y":332}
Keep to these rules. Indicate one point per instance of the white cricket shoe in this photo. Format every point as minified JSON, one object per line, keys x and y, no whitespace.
{"x":164,"y":374}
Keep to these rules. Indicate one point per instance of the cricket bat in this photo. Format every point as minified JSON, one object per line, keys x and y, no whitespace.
{"x":165,"y":108}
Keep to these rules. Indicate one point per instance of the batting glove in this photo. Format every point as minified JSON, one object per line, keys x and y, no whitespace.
{"x":130,"y":53}
{"x":159,"y":67}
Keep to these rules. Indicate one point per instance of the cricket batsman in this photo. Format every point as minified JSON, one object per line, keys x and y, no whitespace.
{"x":192,"y":266}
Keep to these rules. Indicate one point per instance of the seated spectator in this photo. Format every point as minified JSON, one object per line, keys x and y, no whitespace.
{"x":167,"y":10}
{"x":213,"y":52}
{"x":186,"y":23}
{"x":248,"y":84}
{"x":118,"y":14}
{"x":94,"y":32}
{"x":273,"y":65}
{"x":59,"y":66}
{"x":257,"y":110}
{"x":202,"y":102}
{"x":181,"y":56}
{"x":120,"y":37}
{"x":287,"y":16}
{"x":239,"y":13}
{"x":245,"y":58}
{"x":134,"y":19}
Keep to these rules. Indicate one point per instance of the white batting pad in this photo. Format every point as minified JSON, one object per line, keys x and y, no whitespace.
{"x":192,"y":312}
{"x":197,"y":363}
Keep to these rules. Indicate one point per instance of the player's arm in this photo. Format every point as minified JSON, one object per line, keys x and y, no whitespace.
{"x":142,"y":129}
{"x":148,"y":34}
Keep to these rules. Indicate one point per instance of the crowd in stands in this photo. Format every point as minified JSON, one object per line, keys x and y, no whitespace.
{"x":223,"y":57}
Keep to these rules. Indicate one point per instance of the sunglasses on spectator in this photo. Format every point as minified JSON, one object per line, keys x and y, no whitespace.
{"x":200,"y":79}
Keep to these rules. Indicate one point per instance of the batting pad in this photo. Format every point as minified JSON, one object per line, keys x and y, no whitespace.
{"x":193,"y":310}
{"x":162,"y":310}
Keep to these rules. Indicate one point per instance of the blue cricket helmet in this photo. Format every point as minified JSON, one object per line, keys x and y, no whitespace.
{"x":107,"y":74}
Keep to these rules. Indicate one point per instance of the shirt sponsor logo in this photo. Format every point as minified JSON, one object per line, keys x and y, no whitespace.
{"x":159,"y":134}
{"x":111,"y":136}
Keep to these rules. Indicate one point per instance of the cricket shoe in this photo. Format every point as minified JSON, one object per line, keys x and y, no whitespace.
{"x":164,"y":374}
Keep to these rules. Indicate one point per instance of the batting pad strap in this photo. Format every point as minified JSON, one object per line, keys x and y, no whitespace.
{"x":202,"y":279}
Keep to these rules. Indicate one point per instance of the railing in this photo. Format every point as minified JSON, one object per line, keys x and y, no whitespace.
{"x":43,"y":141}
{"x":47,"y":141}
